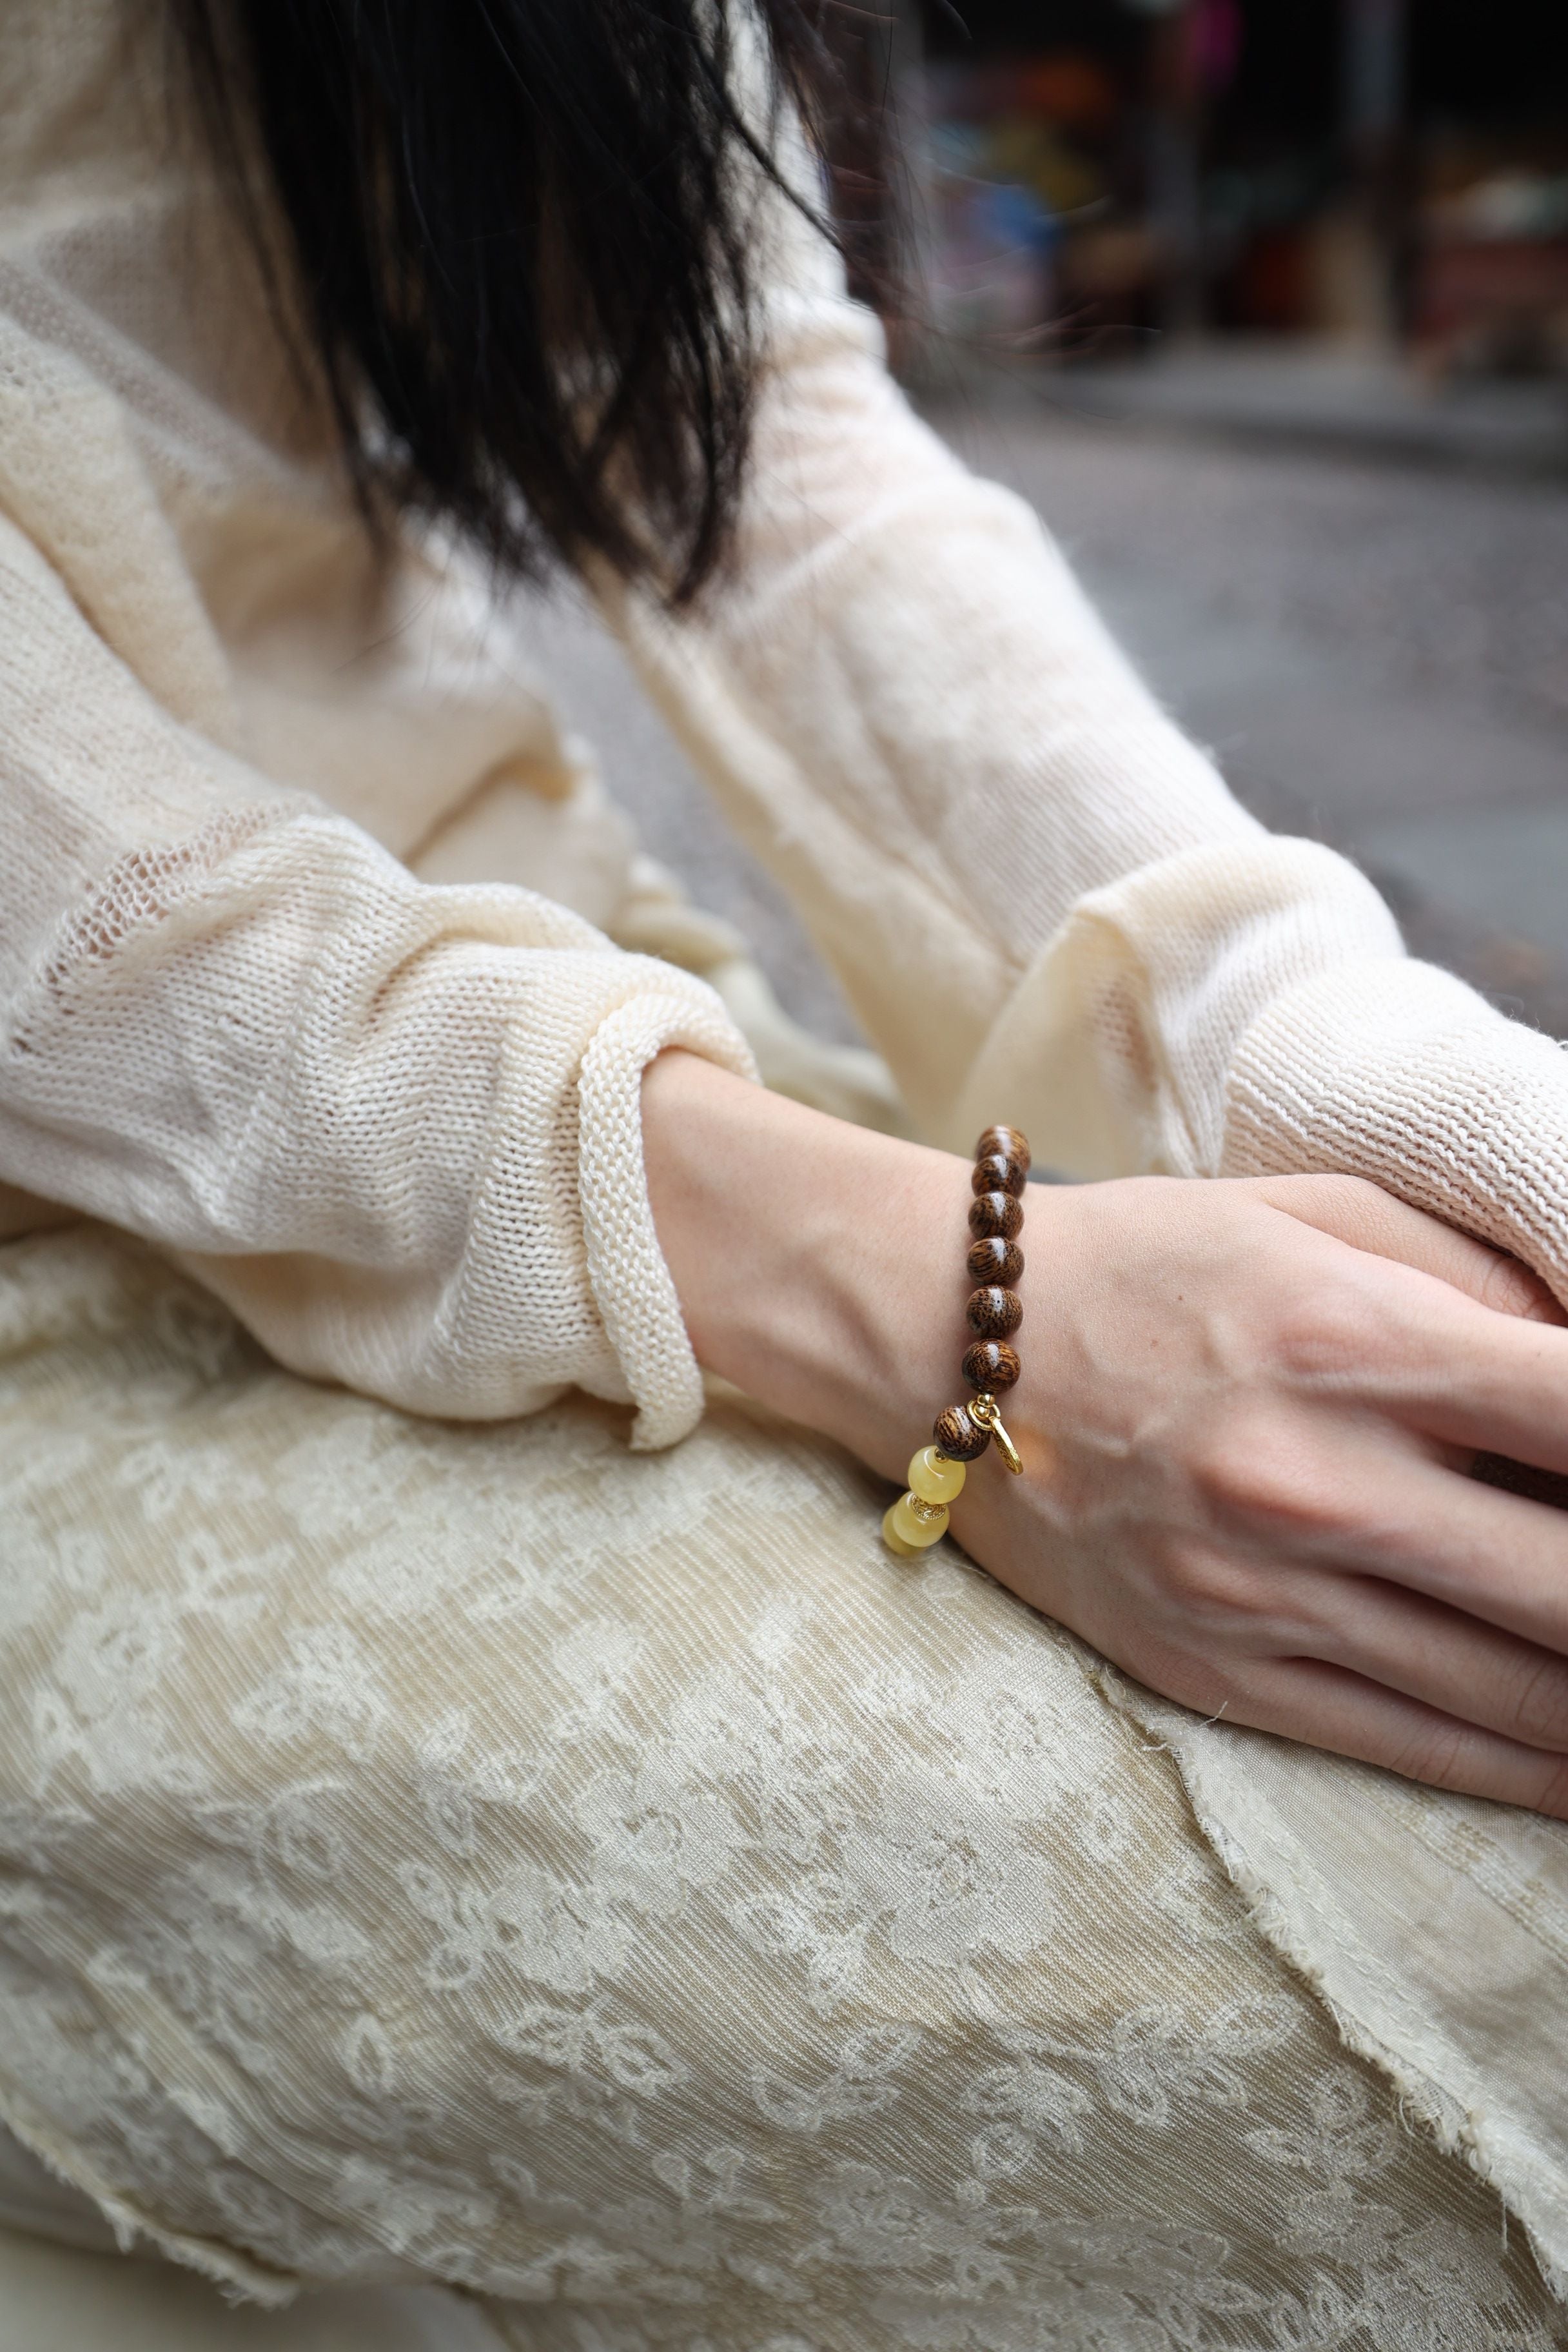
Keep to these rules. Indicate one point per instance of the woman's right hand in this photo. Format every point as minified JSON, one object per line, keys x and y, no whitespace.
{"x":1249,"y":1412}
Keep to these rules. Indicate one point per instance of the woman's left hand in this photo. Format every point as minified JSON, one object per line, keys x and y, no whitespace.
{"x":1247,"y":1411}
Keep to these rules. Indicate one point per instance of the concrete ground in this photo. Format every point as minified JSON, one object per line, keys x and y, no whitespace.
{"x":1333,"y":397}
{"x":1377,"y":651}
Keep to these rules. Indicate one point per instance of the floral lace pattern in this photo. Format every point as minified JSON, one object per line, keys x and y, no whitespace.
{"x":614,"y":1886}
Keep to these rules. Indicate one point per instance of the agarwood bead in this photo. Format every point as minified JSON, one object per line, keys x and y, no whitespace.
{"x":993,"y":1313}
{"x":959,"y":1437}
{"x":1010,"y":1141}
{"x":991,"y":1364}
{"x":995,"y":1213}
{"x":997,"y":1174}
{"x":994,"y":1260}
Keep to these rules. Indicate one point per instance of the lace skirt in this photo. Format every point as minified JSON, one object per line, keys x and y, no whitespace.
{"x":614,"y":1884}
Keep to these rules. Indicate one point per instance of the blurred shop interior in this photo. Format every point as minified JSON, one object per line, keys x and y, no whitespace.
{"x":1095,"y":182}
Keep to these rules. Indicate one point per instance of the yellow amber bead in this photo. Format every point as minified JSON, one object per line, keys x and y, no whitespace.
{"x":918,"y":1523}
{"x":933,"y":1477}
{"x":893,"y":1539}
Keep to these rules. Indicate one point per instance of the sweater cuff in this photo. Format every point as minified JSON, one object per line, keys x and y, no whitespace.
{"x":1395,"y":1071}
{"x":631,"y":1283}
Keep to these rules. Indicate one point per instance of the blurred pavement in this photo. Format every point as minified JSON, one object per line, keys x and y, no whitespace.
{"x":1377,"y":653}
{"x":1338,"y":398}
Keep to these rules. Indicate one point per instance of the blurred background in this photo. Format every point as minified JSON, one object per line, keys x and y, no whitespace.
{"x":1264,"y":304}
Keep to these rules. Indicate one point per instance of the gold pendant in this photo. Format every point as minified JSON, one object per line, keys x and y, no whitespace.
{"x":983,"y":1410}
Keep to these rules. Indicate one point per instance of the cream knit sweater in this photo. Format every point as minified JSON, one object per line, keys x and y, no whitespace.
{"x":315,"y":930}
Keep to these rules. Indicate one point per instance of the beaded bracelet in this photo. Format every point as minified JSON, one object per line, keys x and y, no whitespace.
{"x":993,"y":1313}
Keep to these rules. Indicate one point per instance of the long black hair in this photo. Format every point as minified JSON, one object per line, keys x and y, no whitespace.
{"x":518,"y":239}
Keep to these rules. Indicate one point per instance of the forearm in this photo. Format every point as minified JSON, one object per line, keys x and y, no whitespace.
{"x":817,"y":1265}
{"x":1036,"y":890}
{"x":906,"y":705}
{"x":377,"y":1117}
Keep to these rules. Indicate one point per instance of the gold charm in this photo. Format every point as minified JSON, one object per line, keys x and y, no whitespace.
{"x":983,"y":1410}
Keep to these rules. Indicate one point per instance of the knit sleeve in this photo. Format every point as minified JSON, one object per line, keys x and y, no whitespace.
{"x":907,"y":706}
{"x":1039,"y":894}
{"x":395,"y":1126}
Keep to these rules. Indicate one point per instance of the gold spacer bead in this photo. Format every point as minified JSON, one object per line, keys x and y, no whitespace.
{"x":919,"y":1523}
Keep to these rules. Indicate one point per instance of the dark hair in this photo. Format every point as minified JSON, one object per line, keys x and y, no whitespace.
{"x":520,"y":242}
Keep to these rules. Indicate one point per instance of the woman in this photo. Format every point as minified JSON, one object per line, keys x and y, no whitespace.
{"x":445,"y":1843}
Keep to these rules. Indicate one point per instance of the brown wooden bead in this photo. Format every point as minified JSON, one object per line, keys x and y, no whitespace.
{"x":995,"y":1213}
{"x":997,"y":1174}
{"x":991,"y":1364}
{"x":1011,"y":1142}
{"x":995,"y":1260}
{"x":993,"y":1313}
{"x":959,"y":1437}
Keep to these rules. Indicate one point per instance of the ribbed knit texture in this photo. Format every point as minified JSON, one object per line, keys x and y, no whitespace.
{"x":636,"y":1297}
{"x":1347,"y":1068}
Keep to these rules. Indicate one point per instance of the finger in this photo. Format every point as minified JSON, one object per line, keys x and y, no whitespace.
{"x":1455,"y":1664}
{"x":1327,"y":1706}
{"x":1451,"y":1370}
{"x":1493,"y":1384}
{"x":1370,"y":1219}
{"x":1489,"y":1555}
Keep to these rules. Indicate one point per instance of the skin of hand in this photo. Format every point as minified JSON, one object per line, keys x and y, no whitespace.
{"x":1248,"y":1414}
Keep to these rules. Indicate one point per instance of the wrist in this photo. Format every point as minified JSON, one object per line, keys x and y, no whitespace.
{"x":815,"y":1261}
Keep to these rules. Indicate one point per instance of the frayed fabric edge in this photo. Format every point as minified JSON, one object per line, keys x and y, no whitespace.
{"x":1532,"y":2192}
{"x":239,"y":2279}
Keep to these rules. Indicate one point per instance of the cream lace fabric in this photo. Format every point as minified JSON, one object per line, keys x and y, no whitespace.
{"x":618,"y":1887}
